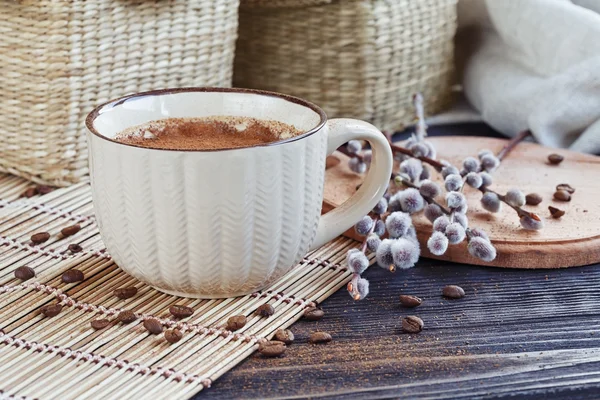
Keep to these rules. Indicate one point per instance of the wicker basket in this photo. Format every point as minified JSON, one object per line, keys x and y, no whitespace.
{"x":355,"y":58}
{"x":60,"y":58}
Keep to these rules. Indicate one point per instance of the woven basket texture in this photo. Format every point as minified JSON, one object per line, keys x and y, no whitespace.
{"x":355,"y":58}
{"x":283,"y":3}
{"x":61,"y":58}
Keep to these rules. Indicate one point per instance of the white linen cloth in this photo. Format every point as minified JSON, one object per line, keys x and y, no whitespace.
{"x":534,"y":64}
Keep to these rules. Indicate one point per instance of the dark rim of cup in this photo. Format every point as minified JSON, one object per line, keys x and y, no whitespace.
{"x":89,"y":121}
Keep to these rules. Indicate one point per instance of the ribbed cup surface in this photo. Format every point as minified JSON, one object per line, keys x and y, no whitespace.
{"x":208,"y":224}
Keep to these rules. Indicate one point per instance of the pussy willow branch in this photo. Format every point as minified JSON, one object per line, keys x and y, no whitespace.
{"x":412,"y":185}
{"x":363,"y":248}
{"x":438,"y":166}
{"x":421,"y":127}
{"x":519,"y":210}
{"x":399,"y":149}
{"x":344,"y":150}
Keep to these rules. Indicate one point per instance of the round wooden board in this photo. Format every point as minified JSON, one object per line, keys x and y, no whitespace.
{"x":572,"y":240}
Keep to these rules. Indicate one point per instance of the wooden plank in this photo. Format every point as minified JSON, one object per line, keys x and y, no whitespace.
{"x":532,"y":332}
{"x":572,"y":240}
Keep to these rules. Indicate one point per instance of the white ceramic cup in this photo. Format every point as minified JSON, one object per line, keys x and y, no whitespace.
{"x":228,"y":222}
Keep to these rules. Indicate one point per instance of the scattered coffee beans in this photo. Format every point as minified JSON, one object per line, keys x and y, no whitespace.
{"x":41,"y":237}
{"x":98,"y":324}
{"x":556,"y":212}
{"x":126,"y":292}
{"x":72,"y":276}
{"x":555,"y":159}
{"x":566,"y":187}
{"x":126,"y":316}
{"x":153,"y":326}
{"x":272,"y":348}
{"x":266,"y":310}
{"x":173,"y":335}
{"x":43,"y":189}
{"x":410,"y":301}
{"x":562,"y":195}
{"x":236,"y":322}
{"x":51,"y":310}
{"x":179,"y":311}
{"x":533,"y":199}
{"x":319,"y":337}
{"x":313,"y":314}
{"x":70,"y":230}
{"x":74,"y":248}
{"x":24,"y":273}
{"x":30,"y":192}
{"x":284,"y":335}
{"x":412,"y":324}
{"x":453,"y":292}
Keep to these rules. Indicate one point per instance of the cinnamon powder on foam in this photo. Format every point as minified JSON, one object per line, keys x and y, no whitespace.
{"x":207,"y":133}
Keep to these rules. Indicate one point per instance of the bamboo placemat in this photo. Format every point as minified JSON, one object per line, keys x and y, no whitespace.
{"x":64,"y":358}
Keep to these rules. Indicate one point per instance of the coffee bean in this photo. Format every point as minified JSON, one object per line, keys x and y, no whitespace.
{"x":126,"y":292}
{"x":173,"y":335}
{"x":533,"y":199}
{"x":74,"y":248}
{"x":555,"y":159}
{"x":313,"y":314}
{"x":566,"y":187}
{"x":30,"y":192}
{"x":562,"y":195}
{"x":41,"y":237}
{"x":70,"y":230}
{"x":236,"y":322}
{"x":319,"y":337}
{"x":412,"y":324}
{"x":24,"y":273}
{"x":51,"y":310}
{"x":72,"y":276}
{"x":43,"y":189}
{"x":410,"y":301}
{"x":556,"y":212}
{"x":272,"y":348}
{"x":126,"y":316}
{"x":98,"y":324}
{"x":153,"y":326}
{"x":266,"y":310}
{"x":179,"y":311}
{"x":453,"y":292}
{"x":284,"y":335}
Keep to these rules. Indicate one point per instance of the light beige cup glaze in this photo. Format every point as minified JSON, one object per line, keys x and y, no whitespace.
{"x":222,"y":223}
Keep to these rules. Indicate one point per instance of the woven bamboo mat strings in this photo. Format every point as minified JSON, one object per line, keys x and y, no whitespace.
{"x":64,"y":358}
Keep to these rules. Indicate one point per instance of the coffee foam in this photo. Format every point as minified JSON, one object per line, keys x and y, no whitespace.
{"x":207,"y":133}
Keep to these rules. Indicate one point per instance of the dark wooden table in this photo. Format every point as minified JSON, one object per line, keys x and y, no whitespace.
{"x":516,"y":334}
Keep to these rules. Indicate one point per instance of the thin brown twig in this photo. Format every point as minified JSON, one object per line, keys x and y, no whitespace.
{"x":512,"y":144}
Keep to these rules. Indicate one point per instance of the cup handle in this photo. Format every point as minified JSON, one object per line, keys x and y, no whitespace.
{"x":337,"y":221}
